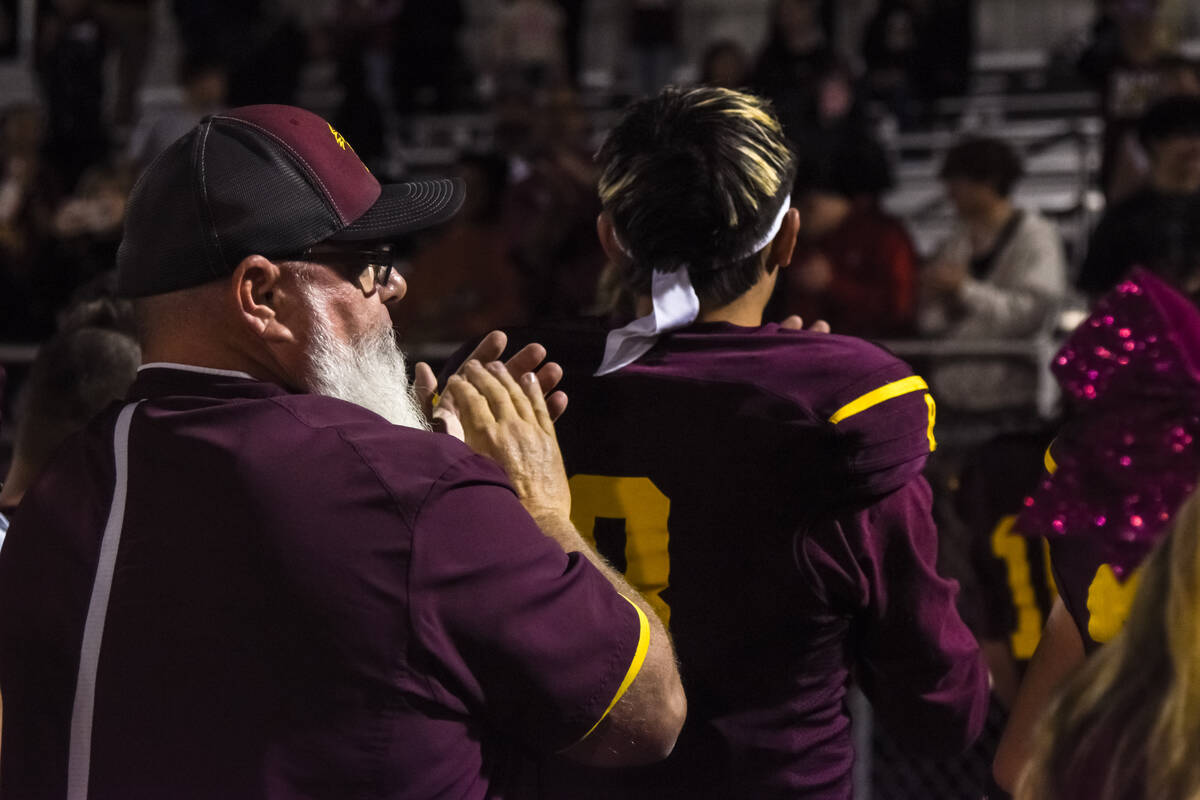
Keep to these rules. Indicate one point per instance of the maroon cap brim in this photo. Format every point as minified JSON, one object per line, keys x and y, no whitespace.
{"x":403,"y":208}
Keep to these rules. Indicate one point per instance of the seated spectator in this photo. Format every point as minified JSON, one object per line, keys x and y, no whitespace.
{"x":204,"y":83}
{"x":1000,"y":274}
{"x":1159,"y":226}
{"x":464,"y":275}
{"x":1127,"y":725}
{"x":855,"y":265}
{"x":725,"y":65}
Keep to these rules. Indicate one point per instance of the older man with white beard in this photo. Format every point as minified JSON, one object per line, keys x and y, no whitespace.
{"x":261,"y":576}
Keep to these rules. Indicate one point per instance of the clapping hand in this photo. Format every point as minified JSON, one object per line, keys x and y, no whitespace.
{"x":529,"y":359}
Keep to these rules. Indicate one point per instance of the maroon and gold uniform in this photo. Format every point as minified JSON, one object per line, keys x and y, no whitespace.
{"x":763,"y":488}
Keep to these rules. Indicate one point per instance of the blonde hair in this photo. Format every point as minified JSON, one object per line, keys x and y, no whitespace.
{"x":1127,"y":725}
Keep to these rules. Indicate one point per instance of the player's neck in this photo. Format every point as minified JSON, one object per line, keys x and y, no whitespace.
{"x":745,"y":311}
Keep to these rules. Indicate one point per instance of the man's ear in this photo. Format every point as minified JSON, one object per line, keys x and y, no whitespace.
{"x":261,"y":299}
{"x":784,"y":243}
{"x":608,"y":239}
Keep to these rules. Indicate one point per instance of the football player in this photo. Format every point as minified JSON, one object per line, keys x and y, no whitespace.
{"x":760,"y":485}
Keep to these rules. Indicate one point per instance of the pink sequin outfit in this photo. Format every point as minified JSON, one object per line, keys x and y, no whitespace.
{"x":1127,"y":457}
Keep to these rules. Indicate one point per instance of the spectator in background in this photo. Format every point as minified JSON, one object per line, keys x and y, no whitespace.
{"x":31,"y":188}
{"x":464,"y":274}
{"x":837,"y":113}
{"x":1131,"y":165}
{"x":70,"y":65}
{"x":797,"y":52}
{"x":916,"y":52}
{"x":889,"y":49}
{"x":362,"y":43}
{"x":427,"y":59}
{"x":205,"y":86}
{"x":1000,"y":274}
{"x":654,"y":35}
{"x":76,"y":374}
{"x":1128,"y":60}
{"x":530,"y":48}
{"x":128,"y":27}
{"x":551,"y":211}
{"x":259,"y":42}
{"x":855,"y":265}
{"x":724,"y":65}
{"x":9,"y":31}
{"x":1159,"y":226}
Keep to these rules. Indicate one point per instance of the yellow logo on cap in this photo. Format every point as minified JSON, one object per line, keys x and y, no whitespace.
{"x":342,"y":143}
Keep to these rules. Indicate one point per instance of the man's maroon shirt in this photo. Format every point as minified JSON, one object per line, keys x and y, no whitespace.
{"x":306,"y":602}
{"x":787,"y":550}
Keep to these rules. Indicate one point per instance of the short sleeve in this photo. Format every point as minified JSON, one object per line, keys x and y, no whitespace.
{"x":533,"y":639}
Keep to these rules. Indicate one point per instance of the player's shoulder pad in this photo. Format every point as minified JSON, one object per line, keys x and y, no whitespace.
{"x":884,"y":413}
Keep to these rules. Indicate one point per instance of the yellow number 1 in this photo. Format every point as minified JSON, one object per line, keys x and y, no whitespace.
{"x":644,"y":510}
{"x":1012,"y":547}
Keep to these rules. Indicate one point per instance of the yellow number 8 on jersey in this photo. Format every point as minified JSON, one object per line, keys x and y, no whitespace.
{"x":637,"y":505}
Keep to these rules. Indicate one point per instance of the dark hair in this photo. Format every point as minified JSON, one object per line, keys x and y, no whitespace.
{"x":695,"y":177}
{"x":984,"y":160}
{"x":852,"y":167}
{"x":76,"y":374}
{"x":1172,"y":116}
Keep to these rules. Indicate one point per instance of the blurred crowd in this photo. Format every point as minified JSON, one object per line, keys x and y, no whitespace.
{"x":524,"y":248}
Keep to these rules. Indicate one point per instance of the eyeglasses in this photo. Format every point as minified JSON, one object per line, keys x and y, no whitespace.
{"x":370,"y":269}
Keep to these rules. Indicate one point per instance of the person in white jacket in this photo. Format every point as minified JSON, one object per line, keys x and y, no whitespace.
{"x":1000,"y":275}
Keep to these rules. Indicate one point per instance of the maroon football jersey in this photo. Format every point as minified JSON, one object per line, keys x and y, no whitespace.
{"x":1016,"y":583}
{"x":762,"y":488}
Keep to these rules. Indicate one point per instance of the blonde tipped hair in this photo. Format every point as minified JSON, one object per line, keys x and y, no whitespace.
{"x":695,"y":176}
{"x":1127,"y":725}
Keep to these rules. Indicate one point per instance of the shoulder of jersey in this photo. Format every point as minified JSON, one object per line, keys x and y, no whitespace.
{"x":881,"y":410}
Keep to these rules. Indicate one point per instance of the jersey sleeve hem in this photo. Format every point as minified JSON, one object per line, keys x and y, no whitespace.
{"x":635,"y":667}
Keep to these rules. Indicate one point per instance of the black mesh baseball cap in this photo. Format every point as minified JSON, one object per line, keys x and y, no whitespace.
{"x":268,"y":180}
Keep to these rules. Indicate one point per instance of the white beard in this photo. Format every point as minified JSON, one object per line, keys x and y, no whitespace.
{"x":369,"y":372}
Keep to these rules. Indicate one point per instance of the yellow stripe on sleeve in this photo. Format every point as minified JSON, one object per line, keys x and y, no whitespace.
{"x":913,"y":383}
{"x":635,"y":666}
{"x":1048,"y":460}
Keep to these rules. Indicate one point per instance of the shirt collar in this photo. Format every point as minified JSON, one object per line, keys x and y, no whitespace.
{"x":163,"y":379}
{"x":229,"y":373}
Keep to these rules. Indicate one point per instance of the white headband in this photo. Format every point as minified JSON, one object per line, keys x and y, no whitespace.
{"x":675,"y":306}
